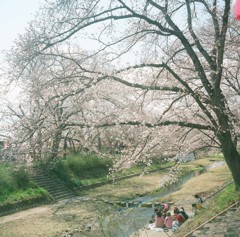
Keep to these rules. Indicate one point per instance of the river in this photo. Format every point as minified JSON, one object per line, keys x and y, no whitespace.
{"x":128,"y":220}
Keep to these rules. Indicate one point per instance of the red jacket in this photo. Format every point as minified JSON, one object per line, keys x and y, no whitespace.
{"x":180,"y":218}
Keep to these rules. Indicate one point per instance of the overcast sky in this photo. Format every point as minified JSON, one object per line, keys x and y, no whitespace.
{"x":14,"y":16}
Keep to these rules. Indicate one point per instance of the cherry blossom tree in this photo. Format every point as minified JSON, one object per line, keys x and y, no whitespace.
{"x":59,"y":104}
{"x":172,"y":58}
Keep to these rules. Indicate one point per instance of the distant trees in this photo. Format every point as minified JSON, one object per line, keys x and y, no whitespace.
{"x":179,"y":87}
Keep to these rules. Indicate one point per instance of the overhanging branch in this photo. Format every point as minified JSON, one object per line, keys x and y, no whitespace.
{"x":142,"y":124}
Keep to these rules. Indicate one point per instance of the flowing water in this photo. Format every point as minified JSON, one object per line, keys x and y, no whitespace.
{"x":129,"y":220}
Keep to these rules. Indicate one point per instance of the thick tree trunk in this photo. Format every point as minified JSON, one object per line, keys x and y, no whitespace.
{"x":39,"y":146}
{"x":232,"y":158}
{"x":55,"y":145}
{"x":226,"y":137}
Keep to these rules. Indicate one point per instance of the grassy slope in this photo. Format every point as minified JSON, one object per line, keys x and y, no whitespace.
{"x":16,"y":185}
{"x":204,"y":184}
{"x":211,"y":208}
{"x":82,"y":170}
{"x":141,"y":185}
{"x":19,"y":195}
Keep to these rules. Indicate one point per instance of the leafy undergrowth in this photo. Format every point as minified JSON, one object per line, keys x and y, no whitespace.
{"x":82,"y":170}
{"x":211,"y":208}
{"x":13,"y":178}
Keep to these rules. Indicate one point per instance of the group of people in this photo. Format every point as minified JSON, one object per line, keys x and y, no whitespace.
{"x":162,"y":217}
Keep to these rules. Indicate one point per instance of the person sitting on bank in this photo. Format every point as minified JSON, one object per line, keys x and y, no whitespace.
{"x":159,"y":220}
{"x":182,"y":211}
{"x":179,"y":220}
{"x":198,"y":198}
{"x":168,"y":220}
{"x":175,"y":208}
{"x":198,"y":202}
{"x":179,"y":217}
{"x":165,"y":206}
{"x":153,"y":215}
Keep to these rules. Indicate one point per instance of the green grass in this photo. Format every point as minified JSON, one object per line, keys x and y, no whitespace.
{"x":20,"y":195}
{"x":13,"y":178}
{"x":140,"y":168}
{"x":217,"y":156}
{"x":81,"y":170}
{"x":229,"y":196}
{"x":16,"y":185}
{"x":133,"y":170}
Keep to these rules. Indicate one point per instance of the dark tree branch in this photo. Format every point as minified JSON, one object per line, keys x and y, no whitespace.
{"x":195,"y":38}
{"x":148,"y":125}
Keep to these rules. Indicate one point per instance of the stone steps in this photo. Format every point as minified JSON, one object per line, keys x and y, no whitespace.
{"x":56,"y":188}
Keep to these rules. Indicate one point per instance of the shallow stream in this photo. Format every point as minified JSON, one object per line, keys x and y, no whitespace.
{"x":129,"y":220}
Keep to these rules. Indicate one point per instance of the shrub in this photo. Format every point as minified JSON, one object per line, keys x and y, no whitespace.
{"x":22,"y":178}
{"x":7,"y":181}
{"x":81,"y":167}
{"x":13,"y":179}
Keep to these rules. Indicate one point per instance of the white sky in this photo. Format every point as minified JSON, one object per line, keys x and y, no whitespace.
{"x":14,"y":16}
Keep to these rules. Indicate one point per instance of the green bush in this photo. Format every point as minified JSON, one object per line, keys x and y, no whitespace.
{"x":81,"y":167}
{"x":7,"y":181}
{"x":13,"y":179}
{"x":22,"y":178}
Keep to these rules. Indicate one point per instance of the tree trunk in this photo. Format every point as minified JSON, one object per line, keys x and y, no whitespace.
{"x":55,"y":145}
{"x":39,"y":145}
{"x":65,"y":148}
{"x":232,"y":158}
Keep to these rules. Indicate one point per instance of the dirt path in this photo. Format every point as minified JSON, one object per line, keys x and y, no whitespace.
{"x":77,"y":216}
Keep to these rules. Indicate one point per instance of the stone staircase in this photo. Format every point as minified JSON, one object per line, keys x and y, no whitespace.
{"x":56,"y":188}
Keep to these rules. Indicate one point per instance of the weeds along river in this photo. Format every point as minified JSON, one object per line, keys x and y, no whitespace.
{"x":130,"y":219}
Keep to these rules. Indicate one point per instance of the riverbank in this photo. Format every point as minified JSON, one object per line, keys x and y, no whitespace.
{"x":79,"y":217}
{"x":204,"y":184}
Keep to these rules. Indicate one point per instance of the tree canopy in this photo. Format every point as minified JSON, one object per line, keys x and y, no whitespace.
{"x":160,"y":76}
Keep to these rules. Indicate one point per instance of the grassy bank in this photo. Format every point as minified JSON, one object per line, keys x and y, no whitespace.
{"x":16,"y":185}
{"x":20,"y":195}
{"x":148,"y":183}
{"x":73,"y":216}
{"x":87,"y":169}
{"x":214,"y":206}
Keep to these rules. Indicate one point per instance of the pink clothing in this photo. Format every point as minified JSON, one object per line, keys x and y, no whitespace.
{"x":168,"y":221}
{"x":165,"y":207}
{"x":159,"y":221}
